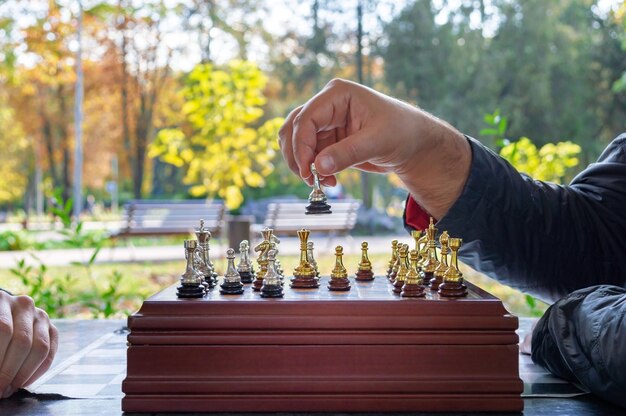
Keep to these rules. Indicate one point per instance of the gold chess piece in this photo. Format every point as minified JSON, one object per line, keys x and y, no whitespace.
{"x":394,"y":257}
{"x":304,"y":273}
{"x":413,"y":287}
{"x":403,"y":270}
{"x":364,"y":273}
{"x":430,"y":264}
{"x":443,"y":264}
{"x":339,"y":276}
{"x":262,"y":248}
{"x":452,"y":285}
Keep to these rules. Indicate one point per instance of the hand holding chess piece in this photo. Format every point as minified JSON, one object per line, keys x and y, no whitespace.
{"x":349,"y":125}
{"x":339,"y":276}
{"x":364,"y":273}
{"x":232,"y":281}
{"x":317,"y":198}
{"x":191,"y":281}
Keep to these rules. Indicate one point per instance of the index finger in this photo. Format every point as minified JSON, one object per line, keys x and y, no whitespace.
{"x":325,"y":111}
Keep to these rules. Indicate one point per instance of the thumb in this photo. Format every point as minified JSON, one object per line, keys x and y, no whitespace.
{"x":352,"y":150}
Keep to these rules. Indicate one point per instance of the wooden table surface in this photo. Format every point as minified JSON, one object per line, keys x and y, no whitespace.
{"x":86,"y":377}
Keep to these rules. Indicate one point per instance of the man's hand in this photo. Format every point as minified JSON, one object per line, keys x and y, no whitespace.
{"x":28,"y":343}
{"x":347,"y":124}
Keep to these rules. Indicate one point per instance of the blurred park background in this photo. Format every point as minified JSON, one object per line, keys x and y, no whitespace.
{"x":105,"y":103}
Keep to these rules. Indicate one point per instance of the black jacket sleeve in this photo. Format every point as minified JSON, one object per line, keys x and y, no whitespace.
{"x":582,"y":338}
{"x":544,"y":239}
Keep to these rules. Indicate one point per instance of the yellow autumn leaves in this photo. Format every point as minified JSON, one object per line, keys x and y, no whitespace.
{"x":221,"y":144}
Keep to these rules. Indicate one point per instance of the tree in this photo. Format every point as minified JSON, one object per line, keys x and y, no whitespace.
{"x":15,"y":157}
{"x":217,"y":145}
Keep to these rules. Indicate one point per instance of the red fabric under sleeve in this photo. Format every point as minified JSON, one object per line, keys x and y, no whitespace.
{"x":416,"y":216}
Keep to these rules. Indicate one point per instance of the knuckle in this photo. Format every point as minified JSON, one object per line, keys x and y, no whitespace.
{"x":336,"y":83}
{"x":41,"y":346}
{"x":25,"y":302}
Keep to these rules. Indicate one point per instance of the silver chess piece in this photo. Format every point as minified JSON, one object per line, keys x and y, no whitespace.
{"x":191,"y":280}
{"x":317,"y":197}
{"x":204,"y":237}
{"x":232,"y":281}
{"x":244,"y":268}
{"x":311,"y":258}
{"x":272,"y":287}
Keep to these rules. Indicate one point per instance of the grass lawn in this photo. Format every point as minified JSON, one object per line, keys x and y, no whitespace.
{"x":75,"y":291}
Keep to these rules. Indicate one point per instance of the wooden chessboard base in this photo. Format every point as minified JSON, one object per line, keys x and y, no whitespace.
{"x":366,"y":350}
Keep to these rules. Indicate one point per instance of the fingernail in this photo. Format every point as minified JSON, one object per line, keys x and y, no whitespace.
{"x":326,"y":163}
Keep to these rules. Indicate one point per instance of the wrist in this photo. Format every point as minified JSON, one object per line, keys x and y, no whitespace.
{"x":437,"y":173}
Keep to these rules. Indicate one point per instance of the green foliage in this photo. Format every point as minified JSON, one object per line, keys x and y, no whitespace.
{"x":105,"y":303}
{"x":54,"y":298}
{"x":549,"y":163}
{"x":533,"y":307}
{"x":15,"y":240}
{"x":218,"y":146}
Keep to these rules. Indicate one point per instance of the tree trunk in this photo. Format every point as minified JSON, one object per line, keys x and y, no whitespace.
{"x":366,"y":189}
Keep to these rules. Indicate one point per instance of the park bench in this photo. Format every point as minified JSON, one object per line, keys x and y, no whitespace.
{"x":162,"y":218}
{"x":287,"y":217}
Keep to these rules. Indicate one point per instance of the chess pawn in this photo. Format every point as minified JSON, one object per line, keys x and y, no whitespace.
{"x":232,"y":281}
{"x":443,"y":264}
{"x":430,"y":264}
{"x":317,"y":198}
{"x":272,"y":287}
{"x":311,"y":258}
{"x":304,"y":273}
{"x":452,"y":285}
{"x":403,"y":270}
{"x":203,"y":236}
{"x":364,"y":273}
{"x":191,"y":281}
{"x":339,"y":276}
{"x":263,"y":247}
{"x":396,"y":266}
{"x":413,"y":287}
{"x":394,"y":257}
{"x":244,"y":268}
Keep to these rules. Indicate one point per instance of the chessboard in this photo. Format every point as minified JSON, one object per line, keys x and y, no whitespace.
{"x":315,"y":350}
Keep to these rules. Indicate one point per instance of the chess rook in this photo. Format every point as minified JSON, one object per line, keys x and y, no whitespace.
{"x":317,"y":198}
{"x":364,"y":272}
{"x":304,"y":273}
{"x":232,"y":281}
{"x":452,"y":285}
{"x":339,"y":276}
{"x":191,"y":281}
{"x":272,"y":287}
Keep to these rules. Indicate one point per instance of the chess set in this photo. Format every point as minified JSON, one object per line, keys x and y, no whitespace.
{"x":414,"y":338}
